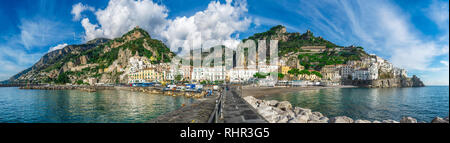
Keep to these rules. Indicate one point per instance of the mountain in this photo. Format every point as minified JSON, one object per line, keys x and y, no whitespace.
{"x":299,"y":49}
{"x":291,"y":42}
{"x":52,"y":58}
{"x":103,"y":59}
{"x":314,"y":53}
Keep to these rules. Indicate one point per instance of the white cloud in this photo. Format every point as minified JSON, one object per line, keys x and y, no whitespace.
{"x":78,"y":8}
{"x":57,"y":47}
{"x":218,"y":22}
{"x":381,"y":27}
{"x":13,"y":60}
{"x":438,"y":12}
{"x":91,"y":30}
{"x":120,"y":16}
{"x":410,"y":50}
{"x":23,"y":49}
{"x":444,"y":62}
{"x":41,"y":32}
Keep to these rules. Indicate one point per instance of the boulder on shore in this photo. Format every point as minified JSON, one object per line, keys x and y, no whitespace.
{"x":390,"y":121}
{"x":439,"y":120}
{"x":298,"y":110}
{"x":362,"y":121}
{"x":408,"y":120}
{"x":271,"y":102}
{"x":318,"y":114}
{"x":321,"y":120}
{"x":302,"y":118}
{"x":284,"y":105}
{"x":341,"y":119}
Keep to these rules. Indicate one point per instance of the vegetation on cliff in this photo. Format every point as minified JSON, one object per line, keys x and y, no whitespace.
{"x":292,"y":43}
{"x":318,"y":60}
{"x":96,"y":56}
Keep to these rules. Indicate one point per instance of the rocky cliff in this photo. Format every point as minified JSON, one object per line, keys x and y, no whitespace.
{"x":300,"y":51}
{"x":52,"y":59}
{"x":102,"y":59}
{"x":391,"y":82}
{"x":307,"y":50}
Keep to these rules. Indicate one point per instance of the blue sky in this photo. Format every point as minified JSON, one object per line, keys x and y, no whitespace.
{"x":412,"y":34}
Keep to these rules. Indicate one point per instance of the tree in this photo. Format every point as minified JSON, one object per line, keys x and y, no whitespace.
{"x":305,"y":72}
{"x":280,"y":76}
{"x":260,"y":75}
{"x":294,"y":71}
{"x":79,"y":82}
{"x":317,"y":73}
{"x":62,"y":78}
{"x":178,"y":77}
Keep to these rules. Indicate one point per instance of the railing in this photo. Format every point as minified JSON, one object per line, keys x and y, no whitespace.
{"x":217,"y":113}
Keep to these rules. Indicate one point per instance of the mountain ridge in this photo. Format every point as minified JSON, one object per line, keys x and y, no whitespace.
{"x":93,"y":57}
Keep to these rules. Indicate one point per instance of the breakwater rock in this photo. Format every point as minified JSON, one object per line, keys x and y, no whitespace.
{"x":283,"y":112}
{"x":68,"y":87}
{"x":150,"y":90}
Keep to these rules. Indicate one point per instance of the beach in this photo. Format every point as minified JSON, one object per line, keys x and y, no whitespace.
{"x":267,"y":91}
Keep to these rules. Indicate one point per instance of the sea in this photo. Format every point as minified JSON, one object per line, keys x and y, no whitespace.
{"x":75,"y":106}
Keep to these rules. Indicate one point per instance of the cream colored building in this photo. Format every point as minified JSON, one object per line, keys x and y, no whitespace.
{"x":330,"y":72}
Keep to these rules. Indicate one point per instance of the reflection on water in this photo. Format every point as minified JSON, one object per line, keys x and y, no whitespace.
{"x":423,"y":103}
{"x":77,"y":106}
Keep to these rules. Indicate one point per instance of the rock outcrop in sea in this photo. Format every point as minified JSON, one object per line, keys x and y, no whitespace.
{"x":283,"y":112}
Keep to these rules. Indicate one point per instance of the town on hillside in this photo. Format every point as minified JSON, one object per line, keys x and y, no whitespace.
{"x":138,"y":60}
{"x":370,"y":71}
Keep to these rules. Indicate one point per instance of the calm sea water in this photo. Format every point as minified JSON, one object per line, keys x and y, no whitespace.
{"x":423,"y":103}
{"x":73,"y":106}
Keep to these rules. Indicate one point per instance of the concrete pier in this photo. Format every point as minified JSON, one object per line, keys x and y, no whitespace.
{"x":237,"y":110}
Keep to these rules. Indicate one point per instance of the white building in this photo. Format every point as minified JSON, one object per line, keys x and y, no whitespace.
{"x":373,"y":71}
{"x":370,"y":73}
{"x":361,"y":74}
{"x":346,"y":71}
{"x":267,"y":68}
{"x":175,"y":70}
{"x":241,"y":74}
{"x":208,"y":73}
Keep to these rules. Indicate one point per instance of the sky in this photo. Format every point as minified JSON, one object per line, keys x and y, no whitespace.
{"x":412,"y":34}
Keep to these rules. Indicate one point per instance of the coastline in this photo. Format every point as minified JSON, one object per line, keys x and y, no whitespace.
{"x":151,"y":90}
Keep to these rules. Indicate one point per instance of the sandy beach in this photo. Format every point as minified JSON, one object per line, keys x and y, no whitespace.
{"x":267,"y":91}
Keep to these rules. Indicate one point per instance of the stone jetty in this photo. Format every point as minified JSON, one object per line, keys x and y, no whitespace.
{"x":68,"y":87}
{"x":283,"y":112}
{"x":197,"y":112}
